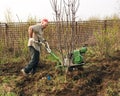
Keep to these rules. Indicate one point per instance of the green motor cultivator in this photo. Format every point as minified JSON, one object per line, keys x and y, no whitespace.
{"x":73,"y":60}
{"x":76,"y":58}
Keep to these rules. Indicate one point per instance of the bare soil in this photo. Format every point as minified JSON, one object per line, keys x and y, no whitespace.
{"x":97,"y":78}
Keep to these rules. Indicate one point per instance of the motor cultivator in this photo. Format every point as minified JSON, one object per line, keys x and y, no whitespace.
{"x":76,"y":58}
{"x":72,"y":61}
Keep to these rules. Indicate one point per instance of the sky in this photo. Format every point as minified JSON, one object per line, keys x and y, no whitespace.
{"x":22,"y":9}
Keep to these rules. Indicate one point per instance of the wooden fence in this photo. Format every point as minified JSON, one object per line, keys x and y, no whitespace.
{"x":12,"y":34}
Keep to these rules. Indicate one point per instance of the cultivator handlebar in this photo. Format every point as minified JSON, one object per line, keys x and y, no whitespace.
{"x":45,"y":44}
{"x":47,"y":47}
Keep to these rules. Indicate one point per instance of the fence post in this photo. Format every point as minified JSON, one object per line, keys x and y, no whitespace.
{"x":106,"y":42}
{"x":6,"y":34}
{"x":105,"y":25}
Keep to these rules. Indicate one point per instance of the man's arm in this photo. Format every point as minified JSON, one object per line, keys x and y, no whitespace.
{"x":30,"y":32}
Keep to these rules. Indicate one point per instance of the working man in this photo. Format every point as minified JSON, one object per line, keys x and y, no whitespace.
{"x":35,"y":36}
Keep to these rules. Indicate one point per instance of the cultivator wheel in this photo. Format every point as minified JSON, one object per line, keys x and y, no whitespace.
{"x":74,"y":71}
{"x":75,"y":67}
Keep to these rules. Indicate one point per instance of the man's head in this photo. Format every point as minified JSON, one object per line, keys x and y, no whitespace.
{"x":44,"y":23}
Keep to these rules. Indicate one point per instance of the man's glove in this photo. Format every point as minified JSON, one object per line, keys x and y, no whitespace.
{"x":45,"y":44}
{"x":31,"y":40}
{"x":38,"y":42}
{"x":44,"y":41}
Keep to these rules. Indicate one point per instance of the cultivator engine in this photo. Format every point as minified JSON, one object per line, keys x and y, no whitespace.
{"x":76,"y":58}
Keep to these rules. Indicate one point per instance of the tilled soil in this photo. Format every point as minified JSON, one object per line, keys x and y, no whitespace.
{"x":97,"y":78}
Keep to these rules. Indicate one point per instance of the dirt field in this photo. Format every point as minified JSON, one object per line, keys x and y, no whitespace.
{"x":97,"y":78}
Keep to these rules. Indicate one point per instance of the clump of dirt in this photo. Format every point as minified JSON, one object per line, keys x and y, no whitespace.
{"x":97,"y":78}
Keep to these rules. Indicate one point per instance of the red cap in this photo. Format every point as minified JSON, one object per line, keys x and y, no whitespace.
{"x":45,"y":20}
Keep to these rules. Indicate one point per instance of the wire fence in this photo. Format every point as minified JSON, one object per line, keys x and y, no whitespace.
{"x":12,"y":35}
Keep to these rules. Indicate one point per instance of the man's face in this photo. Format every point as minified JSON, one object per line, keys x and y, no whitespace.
{"x":44,"y":24}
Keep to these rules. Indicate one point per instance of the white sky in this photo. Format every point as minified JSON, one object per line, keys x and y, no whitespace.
{"x":42,"y":8}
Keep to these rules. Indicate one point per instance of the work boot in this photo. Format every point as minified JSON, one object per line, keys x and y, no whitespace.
{"x":24,"y":73}
{"x":32,"y":72}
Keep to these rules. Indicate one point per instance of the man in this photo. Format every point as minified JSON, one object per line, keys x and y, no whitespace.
{"x":35,"y":36}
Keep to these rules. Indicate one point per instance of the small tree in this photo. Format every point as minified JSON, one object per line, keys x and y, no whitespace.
{"x":65,"y":17}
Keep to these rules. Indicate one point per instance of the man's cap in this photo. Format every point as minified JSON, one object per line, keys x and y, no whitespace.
{"x":44,"y":20}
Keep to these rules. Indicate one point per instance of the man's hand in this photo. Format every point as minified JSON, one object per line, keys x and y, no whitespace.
{"x":31,"y":39}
